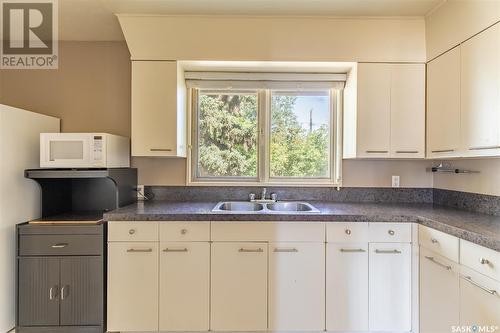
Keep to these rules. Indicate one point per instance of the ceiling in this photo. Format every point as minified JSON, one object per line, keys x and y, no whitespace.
{"x":94,"y":20}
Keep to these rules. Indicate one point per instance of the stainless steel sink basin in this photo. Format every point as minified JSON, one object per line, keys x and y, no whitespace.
{"x":282,"y":207}
{"x":238,"y":206}
{"x":292,"y":207}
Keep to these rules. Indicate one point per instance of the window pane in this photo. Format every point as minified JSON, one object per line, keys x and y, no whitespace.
{"x":300,"y":134}
{"x":227,"y":134}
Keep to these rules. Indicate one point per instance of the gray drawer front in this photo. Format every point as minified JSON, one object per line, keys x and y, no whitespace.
{"x":60,"y":245}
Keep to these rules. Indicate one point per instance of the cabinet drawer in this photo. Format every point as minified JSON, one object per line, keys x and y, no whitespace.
{"x":347,"y":232}
{"x":60,"y":245}
{"x":184,"y":231}
{"x":481,"y":259}
{"x":266,"y":231}
{"x":439,"y":242}
{"x":390,"y":232}
{"x":132,"y":231}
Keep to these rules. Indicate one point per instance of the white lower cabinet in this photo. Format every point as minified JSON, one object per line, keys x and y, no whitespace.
{"x":479,"y":300}
{"x":390,"y":287}
{"x":184,"y":286}
{"x":439,"y":293}
{"x":347,"y":287}
{"x":239,"y":287}
{"x":132,"y":286}
{"x":296,"y":286}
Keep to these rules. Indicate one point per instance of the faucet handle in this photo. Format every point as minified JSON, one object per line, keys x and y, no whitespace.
{"x":251,"y":196}
{"x":274,"y":196}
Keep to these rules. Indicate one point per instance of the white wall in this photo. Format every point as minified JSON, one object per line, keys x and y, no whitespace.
{"x":20,"y":199}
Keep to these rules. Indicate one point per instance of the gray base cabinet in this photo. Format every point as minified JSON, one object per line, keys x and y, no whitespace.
{"x":59,"y":292}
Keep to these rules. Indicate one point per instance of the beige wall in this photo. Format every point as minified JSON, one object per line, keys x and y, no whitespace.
{"x":274,"y":38}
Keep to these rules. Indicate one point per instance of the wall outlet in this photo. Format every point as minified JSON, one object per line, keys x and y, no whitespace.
{"x":140,"y":192}
{"x":395,"y":181}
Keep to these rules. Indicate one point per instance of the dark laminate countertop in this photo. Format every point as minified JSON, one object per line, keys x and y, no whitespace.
{"x":478,"y":228}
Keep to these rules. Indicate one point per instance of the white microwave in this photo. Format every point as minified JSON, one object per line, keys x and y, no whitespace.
{"x":84,"y":150}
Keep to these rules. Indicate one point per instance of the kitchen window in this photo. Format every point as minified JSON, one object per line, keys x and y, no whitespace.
{"x":260,"y":132}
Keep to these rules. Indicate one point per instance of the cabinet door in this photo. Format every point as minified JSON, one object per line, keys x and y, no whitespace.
{"x":479,"y":299}
{"x":154,"y":108}
{"x":81,"y":291}
{"x":133,"y":286}
{"x":374,"y":110}
{"x":184,"y":286}
{"x":443,"y":105}
{"x":439,"y":293}
{"x":390,"y":287}
{"x":347,"y":287}
{"x":38,"y":292}
{"x":480,"y":94}
{"x":297,"y":286}
{"x":239,"y":287}
{"x":408,"y":111}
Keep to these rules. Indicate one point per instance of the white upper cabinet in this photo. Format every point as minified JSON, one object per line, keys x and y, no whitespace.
{"x":390,"y":112}
{"x":480,"y":94}
{"x":158,"y":109}
{"x":443,"y":105}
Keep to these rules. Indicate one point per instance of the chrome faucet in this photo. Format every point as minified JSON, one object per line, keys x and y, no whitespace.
{"x":263,"y":194}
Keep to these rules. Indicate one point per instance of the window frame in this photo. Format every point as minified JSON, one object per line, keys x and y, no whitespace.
{"x":264,"y":178}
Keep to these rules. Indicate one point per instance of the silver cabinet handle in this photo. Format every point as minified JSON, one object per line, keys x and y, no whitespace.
{"x":176,"y":250}
{"x":131,"y":231}
{"x":286,"y":250}
{"x":387,"y":251}
{"x":160,"y":149}
{"x":443,"y":151}
{"x":484,"y":261}
{"x":391,"y":232}
{"x":59,"y":245}
{"x":184,"y":231}
{"x":251,"y":250}
{"x":447,"y":267}
{"x":377,"y":151}
{"x":348,"y":231}
{"x":489,"y":291}
{"x":352,"y":250}
{"x":484,"y":148}
{"x":406,"y":151}
{"x":140,"y":250}
{"x":434,"y":241}
{"x":63,"y":294}
{"x":53,"y":292}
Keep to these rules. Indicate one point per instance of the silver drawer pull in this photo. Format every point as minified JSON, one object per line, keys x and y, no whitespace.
{"x":443,"y":151}
{"x":160,"y":149}
{"x":377,"y":151}
{"x":184,"y":231}
{"x":447,"y":267}
{"x":352,"y":250}
{"x":251,"y":250}
{"x":131,"y":231}
{"x":387,"y":251}
{"x":406,"y":151}
{"x":489,"y":291}
{"x":391,"y":232}
{"x":59,"y":245}
{"x":176,"y":250}
{"x":286,"y":250}
{"x":64,"y":293}
{"x":434,"y":241}
{"x":140,"y":250}
{"x":484,"y":148}
{"x":53,"y":292}
{"x":484,"y":261}
{"x":348,"y":231}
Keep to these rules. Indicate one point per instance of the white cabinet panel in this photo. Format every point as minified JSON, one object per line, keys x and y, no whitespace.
{"x":184,"y":286}
{"x":443,"y":105}
{"x":481,"y":259}
{"x":239,"y":287}
{"x":158,"y":109}
{"x":408,"y":111}
{"x":374,"y":110}
{"x":347,"y":287}
{"x":297,"y":286}
{"x":439,"y":293}
{"x":390,"y":287}
{"x":132,"y":286}
{"x":479,"y":299}
{"x":480,"y":94}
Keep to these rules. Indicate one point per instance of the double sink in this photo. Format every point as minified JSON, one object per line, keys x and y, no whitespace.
{"x":285,"y":207}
